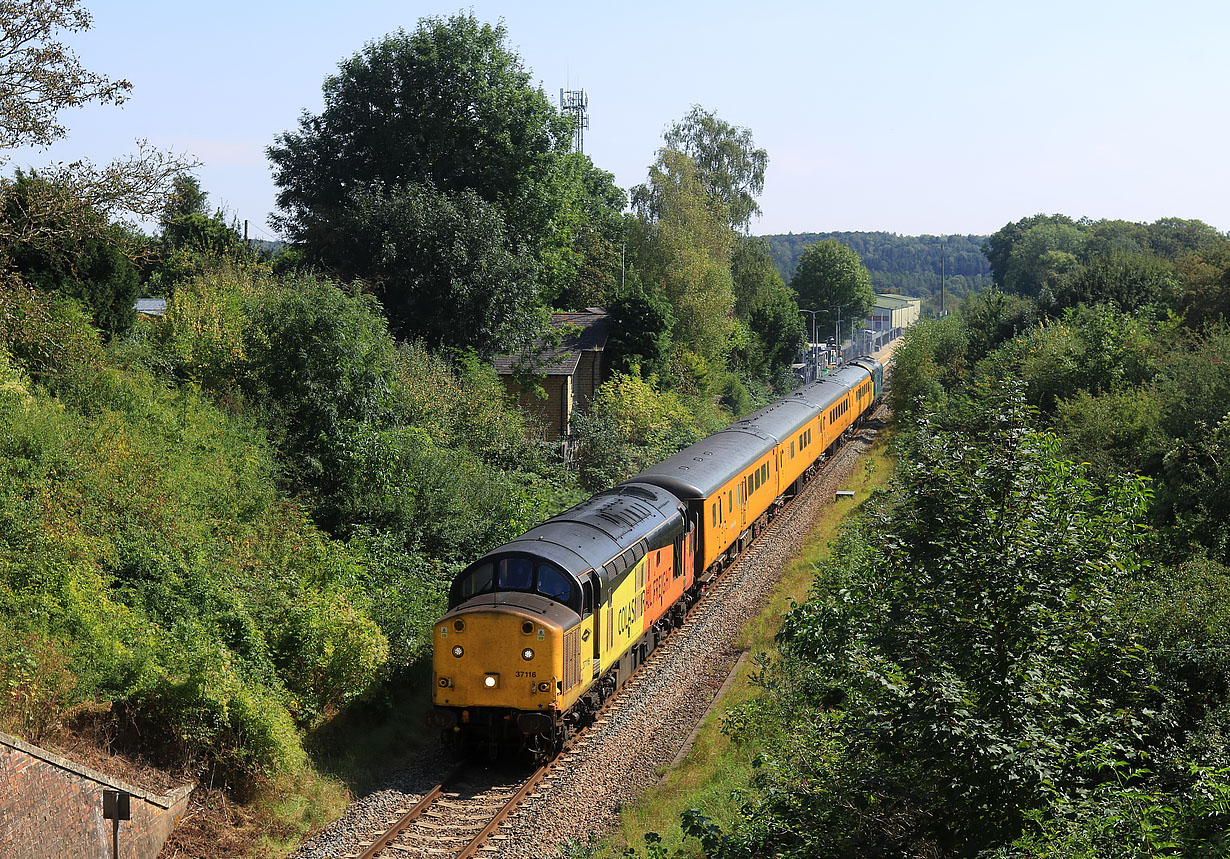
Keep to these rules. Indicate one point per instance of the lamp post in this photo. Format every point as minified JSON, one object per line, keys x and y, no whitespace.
{"x":811,"y":346}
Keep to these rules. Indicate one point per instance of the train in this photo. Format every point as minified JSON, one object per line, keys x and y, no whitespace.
{"x":542,"y":630}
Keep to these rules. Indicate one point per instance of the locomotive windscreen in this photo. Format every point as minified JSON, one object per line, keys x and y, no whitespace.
{"x":516,"y":573}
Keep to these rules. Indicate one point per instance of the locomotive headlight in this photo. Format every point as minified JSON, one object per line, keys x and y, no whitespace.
{"x":444,"y":682}
{"x":544,"y":687}
{"x":491,"y":680}
{"x":527,"y":654}
{"x":458,"y":650}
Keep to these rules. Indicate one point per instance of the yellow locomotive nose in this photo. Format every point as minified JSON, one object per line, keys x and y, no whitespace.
{"x":494,"y":656}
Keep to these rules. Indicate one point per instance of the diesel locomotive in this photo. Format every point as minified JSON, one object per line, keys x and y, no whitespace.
{"x":542,"y":630}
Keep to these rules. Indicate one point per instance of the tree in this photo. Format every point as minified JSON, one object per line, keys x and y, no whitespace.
{"x":628,"y":426}
{"x":640,"y":328}
{"x":831,"y":279}
{"x":322,"y":362}
{"x":999,"y":245}
{"x":185,"y":198}
{"x":448,"y":105}
{"x":1041,"y":256}
{"x":730,"y":166}
{"x":187,"y":225}
{"x":682,"y":243}
{"x":40,"y":77}
{"x":444,"y":117}
{"x":1127,"y":281}
{"x":443,"y":266}
{"x":961,"y":670}
{"x":581,"y":261}
{"x":767,"y":306}
{"x":84,"y":262}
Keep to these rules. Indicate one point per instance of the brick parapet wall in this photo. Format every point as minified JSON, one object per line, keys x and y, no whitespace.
{"x":50,"y":806}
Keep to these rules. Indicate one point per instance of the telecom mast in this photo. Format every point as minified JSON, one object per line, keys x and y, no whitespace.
{"x":576,"y":102}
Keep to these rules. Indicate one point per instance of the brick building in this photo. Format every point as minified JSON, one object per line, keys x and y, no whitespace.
{"x":568,"y":373}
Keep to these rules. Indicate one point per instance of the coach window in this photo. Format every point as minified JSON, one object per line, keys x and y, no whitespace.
{"x":730,"y":500}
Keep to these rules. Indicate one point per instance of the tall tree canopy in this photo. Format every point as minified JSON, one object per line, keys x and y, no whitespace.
{"x":447,"y":114}
{"x":40,"y":76}
{"x":447,"y":105}
{"x":683,"y":243}
{"x":443,"y":267}
{"x":727,"y":161}
{"x":833,"y":281}
{"x":83,"y":261}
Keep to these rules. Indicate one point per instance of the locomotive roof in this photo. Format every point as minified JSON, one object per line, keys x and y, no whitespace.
{"x":549,"y":611}
{"x":600,"y":529}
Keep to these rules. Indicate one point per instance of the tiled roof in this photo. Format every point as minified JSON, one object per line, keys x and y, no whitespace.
{"x":562,"y":360}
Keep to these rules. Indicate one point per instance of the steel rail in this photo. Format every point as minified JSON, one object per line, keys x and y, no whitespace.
{"x":402,"y":823}
{"x":504,"y":813}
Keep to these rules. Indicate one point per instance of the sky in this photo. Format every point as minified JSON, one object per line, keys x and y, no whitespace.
{"x":916,"y":118}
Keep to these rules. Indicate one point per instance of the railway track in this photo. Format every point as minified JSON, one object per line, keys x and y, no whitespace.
{"x":457,"y":817}
{"x":461,"y":816}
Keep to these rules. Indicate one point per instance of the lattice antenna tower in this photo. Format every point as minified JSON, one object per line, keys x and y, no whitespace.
{"x":576,"y":102}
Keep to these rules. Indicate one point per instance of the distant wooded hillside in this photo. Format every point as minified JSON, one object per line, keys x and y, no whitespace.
{"x":909,"y":265}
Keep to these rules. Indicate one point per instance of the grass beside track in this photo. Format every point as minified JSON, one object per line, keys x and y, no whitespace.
{"x":715,"y":767}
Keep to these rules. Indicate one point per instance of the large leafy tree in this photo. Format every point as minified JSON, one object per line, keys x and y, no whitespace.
{"x":964,"y":671}
{"x":443,"y":266}
{"x":78,"y":255}
{"x":727,"y":161}
{"x":767,"y":306}
{"x":640,"y":333}
{"x":581,"y":251}
{"x":40,"y":76}
{"x":446,"y":117}
{"x":832,"y":280}
{"x":682,"y":242}
{"x":999,"y":245}
{"x":448,"y":105}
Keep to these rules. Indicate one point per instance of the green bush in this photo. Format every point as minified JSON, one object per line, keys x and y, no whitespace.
{"x":629,"y":426}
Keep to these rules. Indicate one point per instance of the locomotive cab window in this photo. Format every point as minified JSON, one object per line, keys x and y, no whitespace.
{"x":516,"y":574}
{"x":587,"y":605}
{"x":478,"y":581}
{"x":554,"y":584}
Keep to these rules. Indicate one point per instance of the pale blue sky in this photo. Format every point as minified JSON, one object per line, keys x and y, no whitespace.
{"x":942,"y":117}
